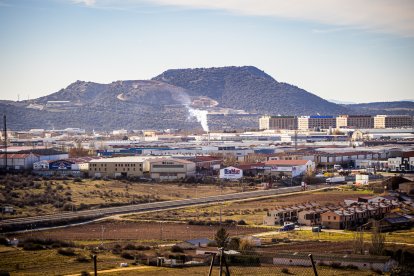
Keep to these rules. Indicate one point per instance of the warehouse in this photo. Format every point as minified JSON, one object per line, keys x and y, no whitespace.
{"x":170,"y":168}
{"x":129,"y":166}
{"x":290,"y":167}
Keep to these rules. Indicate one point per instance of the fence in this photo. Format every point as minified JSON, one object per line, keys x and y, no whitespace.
{"x":267,"y":263}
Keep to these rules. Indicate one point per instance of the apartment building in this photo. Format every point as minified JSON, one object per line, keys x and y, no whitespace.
{"x":281,"y":215}
{"x":277,"y":122}
{"x":358,"y":214}
{"x":316,"y":122}
{"x":393,"y":121}
{"x":355,"y":121}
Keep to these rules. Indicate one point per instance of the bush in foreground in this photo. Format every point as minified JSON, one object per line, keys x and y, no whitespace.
{"x":66,"y":251}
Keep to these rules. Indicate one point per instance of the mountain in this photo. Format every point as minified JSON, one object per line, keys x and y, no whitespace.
{"x":235,"y":97}
{"x":396,"y":107}
{"x":250,"y":89}
{"x":122,"y":104}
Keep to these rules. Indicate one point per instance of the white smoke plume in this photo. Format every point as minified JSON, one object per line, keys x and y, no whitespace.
{"x":199,"y":114}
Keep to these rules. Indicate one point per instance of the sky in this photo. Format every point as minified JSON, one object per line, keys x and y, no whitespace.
{"x":346,"y":50}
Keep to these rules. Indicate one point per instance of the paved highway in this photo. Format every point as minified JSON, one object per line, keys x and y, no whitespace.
{"x":38,"y":221}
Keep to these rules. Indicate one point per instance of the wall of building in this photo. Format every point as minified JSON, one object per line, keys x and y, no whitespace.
{"x":115,"y":169}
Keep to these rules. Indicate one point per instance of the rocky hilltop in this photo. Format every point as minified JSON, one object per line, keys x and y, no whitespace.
{"x":250,"y":89}
{"x":235,"y":97}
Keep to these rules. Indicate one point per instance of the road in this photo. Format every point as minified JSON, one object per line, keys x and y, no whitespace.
{"x":54,"y":219}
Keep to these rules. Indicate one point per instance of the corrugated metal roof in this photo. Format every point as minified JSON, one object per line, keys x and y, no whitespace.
{"x":17,"y":155}
{"x":287,"y":162}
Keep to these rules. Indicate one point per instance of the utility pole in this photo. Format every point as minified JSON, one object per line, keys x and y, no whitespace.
{"x":102,"y":234}
{"x":95,"y":269}
{"x":5,"y":141}
{"x":221,"y":202}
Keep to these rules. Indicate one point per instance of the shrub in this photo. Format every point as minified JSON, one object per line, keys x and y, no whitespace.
{"x":212,"y":244}
{"x":82,"y":259}
{"x":68,"y":207}
{"x":117,"y":249}
{"x":129,"y":247}
{"x":241,"y":222}
{"x":229,"y":221}
{"x":33,"y":246}
{"x":244,"y":260}
{"x":66,"y":251}
{"x":37,"y":186}
{"x":285,"y":270}
{"x":3,"y":241}
{"x":351,"y":266}
{"x":77,"y":179}
{"x":336,"y":265}
{"x":176,"y":249}
{"x":142,"y":247}
{"x":85,"y":273}
{"x":126,"y":255}
{"x":4,"y":273}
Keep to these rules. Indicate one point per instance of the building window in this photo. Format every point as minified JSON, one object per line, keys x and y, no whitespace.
{"x":334,"y":218}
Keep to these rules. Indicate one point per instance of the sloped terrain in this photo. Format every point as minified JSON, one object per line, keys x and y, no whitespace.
{"x":162,"y":102}
{"x":250,"y":89}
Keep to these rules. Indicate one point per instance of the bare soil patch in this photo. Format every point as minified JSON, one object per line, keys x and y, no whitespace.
{"x":138,"y":231}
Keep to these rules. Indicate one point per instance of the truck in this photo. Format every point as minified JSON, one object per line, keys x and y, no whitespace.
{"x":335,"y":179}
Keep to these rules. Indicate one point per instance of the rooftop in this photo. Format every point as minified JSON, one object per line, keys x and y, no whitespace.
{"x":287,"y":162}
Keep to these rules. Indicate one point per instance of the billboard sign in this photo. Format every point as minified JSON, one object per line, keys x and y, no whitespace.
{"x":231,"y":173}
{"x":60,"y":165}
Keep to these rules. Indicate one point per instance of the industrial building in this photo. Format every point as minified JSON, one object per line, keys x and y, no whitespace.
{"x":18,"y":161}
{"x":170,"y":168}
{"x":316,"y":122}
{"x":128,"y":166}
{"x":355,"y":121}
{"x":341,"y":121}
{"x":393,"y":121}
{"x":290,"y":167}
{"x":402,"y":163}
{"x":277,"y":122}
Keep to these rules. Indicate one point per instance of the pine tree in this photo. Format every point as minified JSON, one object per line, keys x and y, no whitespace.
{"x":221,"y":237}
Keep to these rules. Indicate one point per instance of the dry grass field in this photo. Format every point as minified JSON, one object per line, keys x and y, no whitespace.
{"x":251,"y":211}
{"x":34,"y":196}
{"x":144,"y":232}
{"x":49,"y":262}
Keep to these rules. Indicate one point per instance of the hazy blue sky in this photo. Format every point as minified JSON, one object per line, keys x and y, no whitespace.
{"x":348,"y":50}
